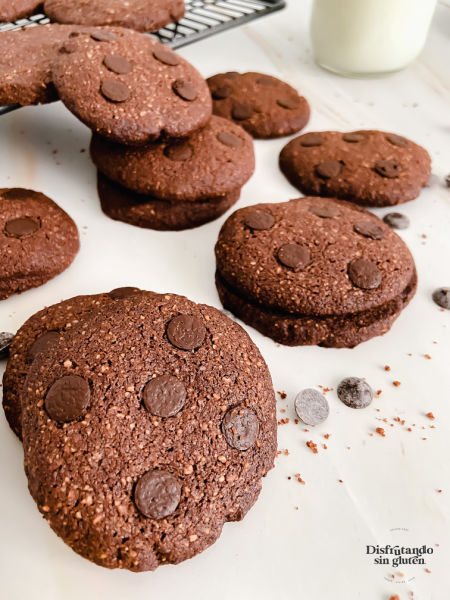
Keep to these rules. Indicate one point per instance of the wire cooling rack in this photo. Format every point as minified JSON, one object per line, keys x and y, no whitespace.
{"x":203,"y":18}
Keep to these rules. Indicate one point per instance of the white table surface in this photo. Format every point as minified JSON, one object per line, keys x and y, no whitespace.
{"x":388,"y":493}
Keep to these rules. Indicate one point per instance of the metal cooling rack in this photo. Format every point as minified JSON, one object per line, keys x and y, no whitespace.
{"x":203,"y":18}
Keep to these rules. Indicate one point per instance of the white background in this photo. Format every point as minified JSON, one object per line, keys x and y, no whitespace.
{"x":317,"y":551}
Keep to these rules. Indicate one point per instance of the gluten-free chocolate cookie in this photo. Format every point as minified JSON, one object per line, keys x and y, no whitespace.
{"x":149,"y":212}
{"x":313,"y":271}
{"x":11,"y":10}
{"x":38,"y":240}
{"x":130,"y":88}
{"x":213,"y":162}
{"x":145,"y":429}
{"x":142,"y":15}
{"x":371,"y":168}
{"x":264,"y":105}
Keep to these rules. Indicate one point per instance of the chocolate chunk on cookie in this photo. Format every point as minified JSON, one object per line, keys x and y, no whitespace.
{"x":38,"y":240}
{"x":321,"y":272}
{"x":371,"y":168}
{"x":156,"y":93}
{"x":153,"y":416}
{"x":141,"y":15}
{"x":17,"y":9}
{"x":264,"y":105}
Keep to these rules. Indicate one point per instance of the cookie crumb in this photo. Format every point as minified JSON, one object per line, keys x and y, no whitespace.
{"x":430,"y":416}
{"x":312,"y":446}
{"x":396,"y":383}
{"x":380,"y":431}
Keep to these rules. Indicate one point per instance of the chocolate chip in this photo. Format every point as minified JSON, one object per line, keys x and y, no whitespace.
{"x":442,"y":297}
{"x":230,"y":75}
{"x":123,"y":292}
{"x":241,"y":112}
{"x":387,"y":168}
{"x":157,"y":494}
{"x":42,"y":344}
{"x":294,"y":256}
{"x":68,"y":398}
{"x":396,"y":220}
{"x":324,"y":211}
{"x":117,"y":64}
{"x":364,"y":274}
{"x":179,"y":151}
{"x":186,"y":332}
{"x":16,"y":194}
{"x":166,"y":57}
{"x":5,"y":343}
{"x":369,"y":230}
{"x":222,"y":92}
{"x":115,"y":90}
{"x":240,"y":427}
{"x":288,"y":103}
{"x":22,"y":227}
{"x":265,"y":80}
{"x":164,"y":396}
{"x":311,"y":407}
{"x":353,"y":138}
{"x":103,"y":36}
{"x":229,"y":139}
{"x":184,"y":89}
{"x":328,"y":169}
{"x":355,"y":392}
{"x":259,"y":220}
{"x":397,"y":140}
{"x":311,"y":139}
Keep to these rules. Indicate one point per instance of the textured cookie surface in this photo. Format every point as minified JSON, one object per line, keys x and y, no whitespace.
{"x":38,"y":240}
{"x":146,"y":211}
{"x":142,"y":15}
{"x":264,"y":105}
{"x":213,"y":162}
{"x":130,"y":88}
{"x":172,"y":425}
{"x":371,"y":168}
{"x":11,"y":10}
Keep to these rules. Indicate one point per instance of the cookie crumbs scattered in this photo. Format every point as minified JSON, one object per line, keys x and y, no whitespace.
{"x":296,"y":421}
{"x":430,"y":416}
{"x":340,"y":481}
{"x":378,"y":394}
{"x":380,"y":431}
{"x":296,"y":507}
{"x":439,"y":491}
{"x":306,"y":430}
{"x":409,"y":429}
{"x":427,"y":356}
{"x":283,"y":421}
{"x":312,"y":446}
{"x":397,"y":383}
{"x":282,"y":410}
{"x":387,"y":368}
{"x":282,"y":395}
{"x":427,"y":571}
{"x":326,"y":435}
{"x":324,"y":446}
{"x":299,"y":479}
{"x":396,"y":597}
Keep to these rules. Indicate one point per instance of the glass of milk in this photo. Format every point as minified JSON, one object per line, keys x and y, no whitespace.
{"x":363,"y":38}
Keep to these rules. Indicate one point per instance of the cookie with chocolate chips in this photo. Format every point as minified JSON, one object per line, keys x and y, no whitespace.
{"x":18,"y":9}
{"x":371,"y":168}
{"x":313,"y":271}
{"x":264,"y":105}
{"x":38,"y":240}
{"x":145,"y":429}
{"x":129,"y":88}
{"x":141,"y":15}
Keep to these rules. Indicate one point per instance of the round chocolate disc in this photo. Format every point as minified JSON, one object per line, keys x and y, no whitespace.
{"x":186,"y":332}
{"x":157,"y":494}
{"x":114,"y":90}
{"x":222,"y":92}
{"x":364,"y":274}
{"x":441,"y":297}
{"x":396,"y":220}
{"x":288,"y":103}
{"x":397,"y":140}
{"x":22,"y":227}
{"x":117,"y":64}
{"x":240,"y":427}
{"x":179,"y":151}
{"x":353,"y":138}
{"x":103,"y":36}
{"x":311,"y":407}
{"x":68,"y":398}
{"x":369,"y":230}
{"x":387,"y":168}
{"x":241,"y":112}
{"x":42,"y":343}
{"x":123,"y":292}
{"x":328,"y":169}
{"x":164,"y":396}
{"x":229,"y":139}
{"x":311,"y":139}
{"x":167,"y":57}
{"x":259,"y":220}
{"x":294,"y":256}
{"x":184,"y":89}
{"x":355,"y":392}
{"x":324,"y":211}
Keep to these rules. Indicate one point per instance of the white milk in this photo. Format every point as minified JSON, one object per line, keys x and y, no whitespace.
{"x":369,"y":37}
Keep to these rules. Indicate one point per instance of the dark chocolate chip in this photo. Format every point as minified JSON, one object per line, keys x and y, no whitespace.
{"x":16,"y":194}
{"x":311,"y":407}
{"x":441,"y":297}
{"x":328,"y":169}
{"x":311,"y":139}
{"x":166,"y":57}
{"x":355,"y":392}
{"x":353,"y":138}
{"x":294,"y":256}
{"x":184,"y":89}
{"x":288,"y":103}
{"x":369,"y":230}
{"x":241,"y":112}
{"x":259,"y":220}
{"x":324,"y":211}
{"x":240,"y":427}
{"x":186,"y":332}
{"x":387,"y":168}
{"x":157,"y":494}
{"x":123,"y":292}
{"x":364,"y":274}
{"x":164,"y":396}
{"x":42,"y":344}
{"x":117,"y":64}
{"x":265,"y":80}
{"x":179,"y":151}
{"x":229,"y":139}
{"x":396,"y":220}
{"x":22,"y":227}
{"x":115,"y":90}
{"x":397,"y":140}
{"x":68,"y":398}
{"x":103,"y":36}
{"x":221,"y":92}
{"x":5,"y":343}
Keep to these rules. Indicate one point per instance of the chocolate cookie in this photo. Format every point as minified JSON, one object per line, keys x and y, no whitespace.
{"x":145,"y":429}
{"x":313,"y":271}
{"x":146,"y":211}
{"x":36,"y":335}
{"x":130,"y":88}
{"x":213,"y":162}
{"x":38,"y":240}
{"x":11,"y":10}
{"x":264,"y":105}
{"x":142,"y":15}
{"x":371,"y":168}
